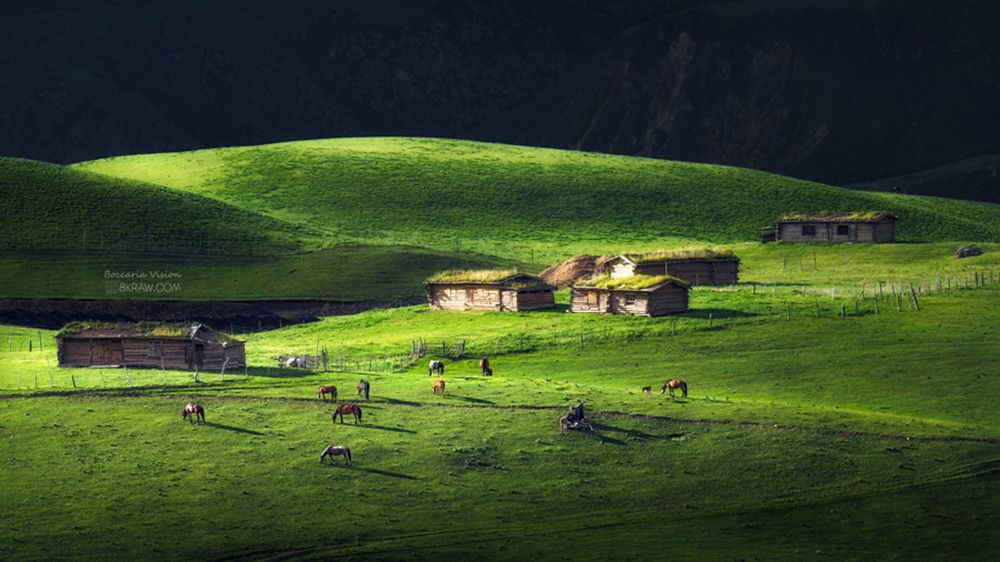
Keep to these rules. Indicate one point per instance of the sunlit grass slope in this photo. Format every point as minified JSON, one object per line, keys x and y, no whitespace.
{"x":47,"y":206}
{"x":468,"y":190}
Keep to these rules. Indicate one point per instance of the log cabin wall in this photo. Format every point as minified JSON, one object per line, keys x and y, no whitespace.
{"x":670,"y":299}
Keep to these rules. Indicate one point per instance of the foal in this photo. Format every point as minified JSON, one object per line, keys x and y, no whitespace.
{"x":195,"y":411}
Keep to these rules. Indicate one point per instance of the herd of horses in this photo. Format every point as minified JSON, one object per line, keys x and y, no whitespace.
{"x":197,"y":413}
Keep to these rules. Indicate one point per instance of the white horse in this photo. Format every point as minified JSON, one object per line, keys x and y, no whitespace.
{"x":435,"y":365}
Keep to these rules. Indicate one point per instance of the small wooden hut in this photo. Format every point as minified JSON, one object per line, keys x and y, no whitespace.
{"x":638,"y":295}
{"x":875,"y":227}
{"x":488,"y":290}
{"x":695,"y":267}
{"x":147,"y":344}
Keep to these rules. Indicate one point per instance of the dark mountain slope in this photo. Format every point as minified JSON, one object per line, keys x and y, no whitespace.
{"x":821,"y":89}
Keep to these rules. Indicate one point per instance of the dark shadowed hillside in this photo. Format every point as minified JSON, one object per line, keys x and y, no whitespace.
{"x":821,"y":90}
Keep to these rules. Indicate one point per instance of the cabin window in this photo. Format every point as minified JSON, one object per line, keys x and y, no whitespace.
{"x":629,"y":300}
{"x":808,"y":230}
{"x":154,"y":350}
{"x":841,"y":230}
{"x":592,"y":298}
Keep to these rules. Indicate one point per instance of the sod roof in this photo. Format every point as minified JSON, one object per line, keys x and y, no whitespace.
{"x":686,"y":254}
{"x":506,"y":277}
{"x":632,"y":283}
{"x":164,"y":330}
{"x":858,"y":216}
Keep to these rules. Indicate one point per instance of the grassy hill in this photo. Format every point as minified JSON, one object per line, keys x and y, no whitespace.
{"x":436,"y":192}
{"x":52,"y":207}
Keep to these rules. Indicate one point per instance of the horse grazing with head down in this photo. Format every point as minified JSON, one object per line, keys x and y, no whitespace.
{"x":363,"y":387}
{"x":195,"y":411}
{"x":347,"y":409}
{"x":647,"y":389}
{"x":333,"y":451}
{"x":435,"y":366}
{"x":673,"y":384}
{"x":324,"y":390}
{"x":438,"y":385}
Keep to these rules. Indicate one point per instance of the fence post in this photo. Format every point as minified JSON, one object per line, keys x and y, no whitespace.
{"x":916,"y":305}
{"x":581,"y":341}
{"x":876,"y":306}
{"x":709,"y":320}
{"x":817,"y":308}
{"x":788,"y":311}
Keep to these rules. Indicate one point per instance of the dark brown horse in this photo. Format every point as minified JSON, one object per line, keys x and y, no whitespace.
{"x":195,"y":411}
{"x":647,"y":389}
{"x":484,"y":365}
{"x":363,"y":387}
{"x":438,"y":385}
{"x":673,"y":384}
{"x":347,"y":409}
{"x":333,"y":451}
{"x":324,"y":390}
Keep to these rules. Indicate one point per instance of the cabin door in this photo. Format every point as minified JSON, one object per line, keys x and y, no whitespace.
{"x":108,"y":352}
{"x":199,"y":354}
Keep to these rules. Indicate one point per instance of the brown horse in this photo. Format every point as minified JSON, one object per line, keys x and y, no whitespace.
{"x":438,"y":385}
{"x":484,"y":365}
{"x":333,"y":451}
{"x":647,"y":389}
{"x":347,"y":409}
{"x":195,"y":411}
{"x":324,"y":390}
{"x":674,"y":384}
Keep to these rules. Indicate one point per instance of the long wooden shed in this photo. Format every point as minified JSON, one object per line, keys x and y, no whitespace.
{"x":873,"y":227}
{"x":695,"y":267}
{"x":637,"y":295}
{"x":147,"y":344}
{"x":488,"y":290}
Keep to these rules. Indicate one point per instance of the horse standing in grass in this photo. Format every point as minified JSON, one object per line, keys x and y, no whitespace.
{"x":484,"y":364}
{"x":333,"y":451}
{"x":647,"y":389}
{"x":363,"y":387}
{"x":438,"y":385}
{"x":435,"y":367}
{"x":324,"y":390}
{"x":673,"y":384}
{"x":195,"y":411}
{"x":347,"y":409}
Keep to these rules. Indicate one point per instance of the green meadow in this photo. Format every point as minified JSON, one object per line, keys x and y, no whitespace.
{"x":842,"y":399}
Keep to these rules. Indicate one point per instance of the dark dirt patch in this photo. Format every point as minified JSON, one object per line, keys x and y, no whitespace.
{"x":241,"y":316}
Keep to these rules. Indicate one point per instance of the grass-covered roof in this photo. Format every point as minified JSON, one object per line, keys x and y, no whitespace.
{"x":682,"y":254}
{"x":632,"y":283}
{"x":169,"y":330}
{"x":857,"y":216}
{"x":477,"y":276}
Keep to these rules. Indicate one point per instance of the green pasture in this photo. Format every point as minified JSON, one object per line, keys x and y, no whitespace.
{"x":458,"y":194}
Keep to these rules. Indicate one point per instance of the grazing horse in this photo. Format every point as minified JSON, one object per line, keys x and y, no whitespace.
{"x":324,"y":390}
{"x":347,"y":409}
{"x":438,"y":385}
{"x":647,"y":389}
{"x":435,"y":366}
{"x":363,"y":387}
{"x":673,"y":384}
{"x":195,"y":411}
{"x":333,"y":451}
{"x":484,"y":364}
{"x":487,"y":372}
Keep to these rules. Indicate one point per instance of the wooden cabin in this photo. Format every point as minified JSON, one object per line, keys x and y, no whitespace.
{"x":698,"y":267}
{"x":488,"y":290}
{"x":638,"y":295}
{"x":837,"y":228}
{"x":152,"y":345}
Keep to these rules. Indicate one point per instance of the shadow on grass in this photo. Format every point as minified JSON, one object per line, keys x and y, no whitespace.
{"x":471,"y":399}
{"x":384,"y":428}
{"x":231,"y":428}
{"x":402,"y":402}
{"x":384,"y":473}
